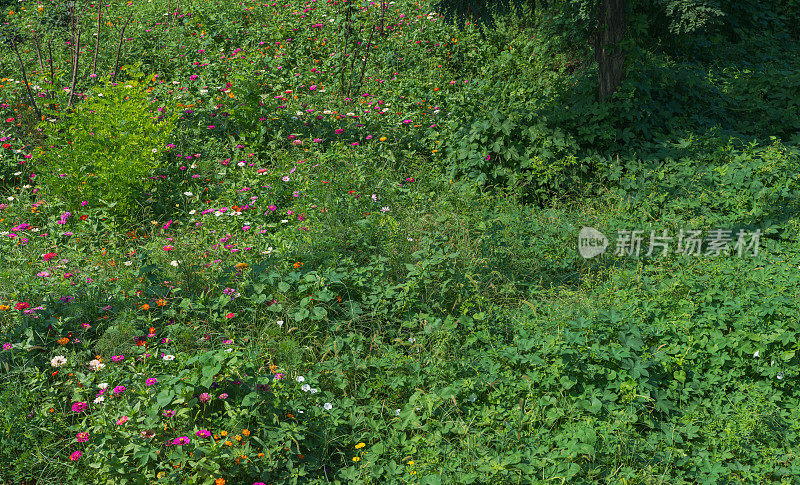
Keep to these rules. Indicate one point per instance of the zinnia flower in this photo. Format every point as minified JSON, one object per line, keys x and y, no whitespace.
{"x":76,"y":455}
{"x":82,"y":437}
{"x":151,"y":381}
{"x":58,"y":361}
{"x":203,"y":433}
{"x":122,"y":420}
{"x":79,"y":407}
{"x":183,"y":440}
{"x":205,"y":397}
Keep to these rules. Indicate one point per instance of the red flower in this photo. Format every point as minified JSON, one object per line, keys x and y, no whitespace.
{"x":168,"y":248}
{"x":22,"y":305}
{"x":48,"y":256}
{"x":84,"y":217}
{"x":6,"y":145}
{"x":230,"y":315}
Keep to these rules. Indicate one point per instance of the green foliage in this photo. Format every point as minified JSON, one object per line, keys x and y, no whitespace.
{"x":104,"y":151}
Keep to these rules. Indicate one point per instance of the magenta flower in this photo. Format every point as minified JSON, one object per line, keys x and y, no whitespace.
{"x":82,"y":437}
{"x":205,"y":397}
{"x":224,"y":395}
{"x":122,"y":420}
{"x":151,"y":381}
{"x":79,"y":407}
{"x":118,"y":358}
{"x":7,"y":346}
{"x":203,"y":433}
{"x":183,"y":440}
{"x":119,"y":390}
{"x":76,"y":455}
{"x":168,"y":413}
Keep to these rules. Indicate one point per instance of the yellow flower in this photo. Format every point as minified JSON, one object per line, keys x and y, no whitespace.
{"x":356,"y":459}
{"x":411,"y":462}
{"x":229,"y":443}
{"x":4,"y":308}
{"x":238,"y":438}
{"x":223,"y":433}
{"x":383,"y":138}
{"x":360,"y":445}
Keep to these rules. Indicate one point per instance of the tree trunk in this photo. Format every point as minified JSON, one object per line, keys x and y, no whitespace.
{"x":607,"y":49}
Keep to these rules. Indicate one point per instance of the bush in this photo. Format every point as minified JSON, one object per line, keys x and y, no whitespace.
{"x":104,"y":150}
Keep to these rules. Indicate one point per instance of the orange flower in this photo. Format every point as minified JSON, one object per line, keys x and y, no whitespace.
{"x":238,"y":438}
{"x":228,"y":442}
{"x":246,"y":432}
{"x":152,"y":329}
{"x":219,"y":481}
{"x":241,"y":266}
{"x":99,"y":358}
{"x":297,"y":264}
{"x":261,"y":455}
{"x":4,"y":308}
{"x":273,"y":367}
{"x":223,"y":433}
{"x":63,"y":341}
{"x":161,"y":302}
{"x":145,"y":307}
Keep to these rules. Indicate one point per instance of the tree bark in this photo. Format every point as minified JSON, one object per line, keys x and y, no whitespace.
{"x":607,"y":49}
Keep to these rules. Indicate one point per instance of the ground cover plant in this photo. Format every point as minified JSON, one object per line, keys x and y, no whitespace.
{"x":338,"y":242}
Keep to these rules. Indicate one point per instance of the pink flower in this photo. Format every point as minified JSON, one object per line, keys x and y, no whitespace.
{"x":79,"y":407}
{"x":210,"y":127}
{"x":118,"y":358}
{"x":22,"y":305}
{"x":48,"y":256}
{"x":7,"y":346}
{"x":205,"y":397}
{"x":151,"y":381}
{"x":203,"y":433}
{"x":230,"y":315}
{"x":76,"y":455}
{"x":122,"y":420}
{"x":168,"y":413}
{"x":168,"y":248}
{"x":82,"y":437}
{"x":313,"y":87}
{"x":119,"y":390}
{"x":224,"y":395}
{"x":183,"y":440}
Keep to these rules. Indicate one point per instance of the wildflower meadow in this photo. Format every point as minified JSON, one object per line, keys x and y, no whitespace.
{"x":337,"y":241}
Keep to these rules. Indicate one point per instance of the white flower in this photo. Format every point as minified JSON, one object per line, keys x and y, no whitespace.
{"x":228,"y":350}
{"x":99,"y":399}
{"x":188,"y":194}
{"x":174,"y":263}
{"x":58,"y":361}
{"x":280,"y":324}
{"x":313,"y":391}
{"x":412,"y":339}
{"x":328,"y":406}
{"x":397,"y":412}
{"x":155,"y":150}
{"x":300,"y":379}
{"x":128,"y":263}
{"x":96,"y":365}
{"x":192,"y":212}
{"x":306,"y":388}
{"x":169,"y":357}
{"x":385,"y":209}
{"x":756,"y":354}
{"x":102,"y":385}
